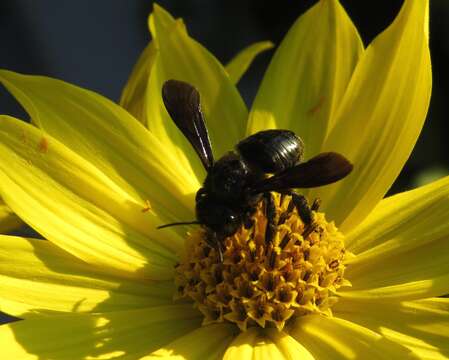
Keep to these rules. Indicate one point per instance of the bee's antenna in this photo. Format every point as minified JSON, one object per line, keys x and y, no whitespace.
{"x":178,"y":223}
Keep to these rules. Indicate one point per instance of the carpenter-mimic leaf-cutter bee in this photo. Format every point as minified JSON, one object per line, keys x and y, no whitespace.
{"x":240,"y":179}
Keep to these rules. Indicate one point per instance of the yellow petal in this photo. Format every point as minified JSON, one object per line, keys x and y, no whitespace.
{"x":124,"y":334}
{"x":36,"y":277}
{"x":74,"y":205}
{"x":134,"y":92}
{"x":333,"y":338}
{"x":182,"y":58}
{"x":402,"y":222}
{"x":107,"y":137}
{"x":266,"y":344}
{"x":404,"y":289}
{"x":267,"y":350}
{"x":289,"y":347}
{"x":253,"y":344}
{"x":381,"y":115}
{"x":8,"y":220}
{"x":165,"y":19}
{"x":422,"y":326}
{"x":401,"y":248}
{"x":241,"y":62}
{"x":308,"y":75}
{"x":207,"y":342}
{"x":243,"y":345}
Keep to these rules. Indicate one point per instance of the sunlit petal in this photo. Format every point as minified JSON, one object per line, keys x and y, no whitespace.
{"x":107,"y":137}
{"x":182,"y":58}
{"x":241,"y":62}
{"x":308,"y":75}
{"x":266,"y":344}
{"x":402,"y":222}
{"x":208,"y":342}
{"x":422,"y":326}
{"x":125,"y":334}
{"x":402,"y":246}
{"x":37,"y":277}
{"x":74,"y":205}
{"x":381,"y":115}
{"x":333,"y":338}
{"x":135,"y":91}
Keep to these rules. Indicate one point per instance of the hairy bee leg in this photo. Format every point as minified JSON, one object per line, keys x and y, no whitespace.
{"x":305,"y":211}
{"x":270,"y":213}
{"x":220,"y":252}
{"x":303,"y":208}
{"x":316,"y":204}
{"x":285,"y":215}
{"x":310,"y":228}
{"x":215,"y":243}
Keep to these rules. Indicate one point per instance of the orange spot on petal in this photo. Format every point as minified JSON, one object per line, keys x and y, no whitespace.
{"x":147,"y":206}
{"x":317,"y":107}
{"x":43,"y":145}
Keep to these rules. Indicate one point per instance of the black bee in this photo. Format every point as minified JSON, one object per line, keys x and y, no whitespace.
{"x":239,"y":180}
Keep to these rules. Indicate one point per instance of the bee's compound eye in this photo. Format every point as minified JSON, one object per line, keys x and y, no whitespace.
{"x":215,"y":215}
{"x":201,"y":194}
{"x":231,"y":224}
{"x":226,"y":220}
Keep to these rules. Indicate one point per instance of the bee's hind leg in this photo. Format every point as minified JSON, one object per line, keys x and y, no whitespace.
{"x":316,"y":204}
{"x":304,"y":210}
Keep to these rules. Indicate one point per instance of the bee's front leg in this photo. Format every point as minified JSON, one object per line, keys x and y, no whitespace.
{"x":270,"y":214}
{"x":215,"y":242}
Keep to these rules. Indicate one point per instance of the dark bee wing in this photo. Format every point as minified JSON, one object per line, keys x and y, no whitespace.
{"x":182,"y":102}
{"x":323,"y":169}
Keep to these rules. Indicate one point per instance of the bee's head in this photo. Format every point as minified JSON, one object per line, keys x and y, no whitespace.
{"x":216,"y":215}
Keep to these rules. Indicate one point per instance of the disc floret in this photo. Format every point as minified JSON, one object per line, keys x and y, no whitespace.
{"x":265,"y":284}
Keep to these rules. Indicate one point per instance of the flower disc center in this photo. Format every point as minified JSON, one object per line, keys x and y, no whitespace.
{"x":265,"y":284}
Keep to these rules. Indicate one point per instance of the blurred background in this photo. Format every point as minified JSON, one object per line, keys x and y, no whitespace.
{"x":95,"y":44}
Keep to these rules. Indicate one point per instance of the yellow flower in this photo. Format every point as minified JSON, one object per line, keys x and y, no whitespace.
{"x":96,"y":183}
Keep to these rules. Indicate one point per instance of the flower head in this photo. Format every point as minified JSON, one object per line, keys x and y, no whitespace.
{"x":265,"y":282}
{"x":97,"y":180}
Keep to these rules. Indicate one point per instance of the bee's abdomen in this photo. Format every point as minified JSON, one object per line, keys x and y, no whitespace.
{"x":272,"y":151}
